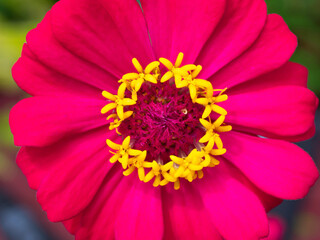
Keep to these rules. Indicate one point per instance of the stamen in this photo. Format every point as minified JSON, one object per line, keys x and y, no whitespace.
{"x":151,"y":67}
{"x":212,"y":128}
{"x":119,"y":101}
{"x":137,"y":65}
{"x":179,"y":60}
{"x":175,"y":70}
{"x":164,"y":132}
{"x":196,"y":71}
{"x":209,"y":103}
{"x":117,"y":121}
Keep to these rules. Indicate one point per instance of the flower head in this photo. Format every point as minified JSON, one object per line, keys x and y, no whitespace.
{"x":175,"y":80}
{"x":163,"y":120}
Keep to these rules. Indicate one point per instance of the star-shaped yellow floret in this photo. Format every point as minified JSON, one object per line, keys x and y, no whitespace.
{"x":209,"y":160}
{"x":175,"y":70}
{"x":137,"y":162}
{"x":118,"y":101}
{"x":209,"y":102}
{"x":213,"y":128}
{"x":194,"y":84}
{"x":123,"y":151}
{"x":134,"y":81}
{"x":157,"y":171}
{"x":188,"y":165}
{"x":116,"y":120}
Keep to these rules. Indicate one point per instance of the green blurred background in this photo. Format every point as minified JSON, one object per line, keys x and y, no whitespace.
{"x":17,"y":17}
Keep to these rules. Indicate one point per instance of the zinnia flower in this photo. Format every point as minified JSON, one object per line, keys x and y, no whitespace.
{"x":173,"y":79}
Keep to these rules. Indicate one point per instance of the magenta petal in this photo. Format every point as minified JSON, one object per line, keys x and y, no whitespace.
{"x":288,"y":74}
{"x":38,"y":79}
{"x":72,"y":224}
{"x":269,"y":202}
{"x":277,"y":167}
{"x":140,"y":216}
{"x":167,"y":22}
{"x":135,"y":34}
{"x":185,"y":215}
{"x":64,"y":173}
{"x":235,"y":210}
{"x":272,"y":49}
{"x":39,"y":121}
{"x":239,"y":27}
{"x":282,"y":112}
{"x":277,"y":228}
{"x":97,"y":221}
{"x":55,"y":56}
{"x":34,"y":164}
{"x":103,"y":32}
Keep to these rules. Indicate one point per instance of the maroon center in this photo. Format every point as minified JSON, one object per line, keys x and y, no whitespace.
{"x":165,"y":121}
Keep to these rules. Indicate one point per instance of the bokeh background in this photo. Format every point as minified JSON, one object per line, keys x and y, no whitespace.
{"x":21,"y":218}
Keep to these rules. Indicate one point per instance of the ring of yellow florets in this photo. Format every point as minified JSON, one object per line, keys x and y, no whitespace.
{"x":201,"y":92}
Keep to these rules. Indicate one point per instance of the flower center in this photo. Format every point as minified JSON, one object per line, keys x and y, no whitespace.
{"x":166,"y":121}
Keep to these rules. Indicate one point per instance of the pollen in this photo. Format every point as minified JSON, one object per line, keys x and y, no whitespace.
{"x":169,"y":121}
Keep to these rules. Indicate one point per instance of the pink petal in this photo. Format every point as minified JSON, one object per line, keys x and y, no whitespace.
{"x":36,"y":163}
{"x":277,"y":167}
{"x":185,"y":215}
{"x":97,"y":221}
{"x":40,"y":121}
{"x":140,"y":216}
{"x":103,"y":32}
{"x":272,"y":49}
{"x":181,"y":26}
{"x":269,"y":202}
{"x":72,"y":224}
{"x":235,"y":210}
{"x":38,"y":79}
{"x":36,"y":168}
{"x":239,"y":27}
{"x":134,"y":33}
{"x":281,"y":112}
{"x":288,"y":74}
{"x":67,"y":172}
{"x":59,"y":59}
{"x":277,"y":228}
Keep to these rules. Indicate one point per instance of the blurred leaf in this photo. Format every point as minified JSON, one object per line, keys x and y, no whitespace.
{"x":309,"y":60}
{"x":12,"y":37}
{"x":17,"y":10}
{"x":6,"y":139}
{"x":6,"y":167}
